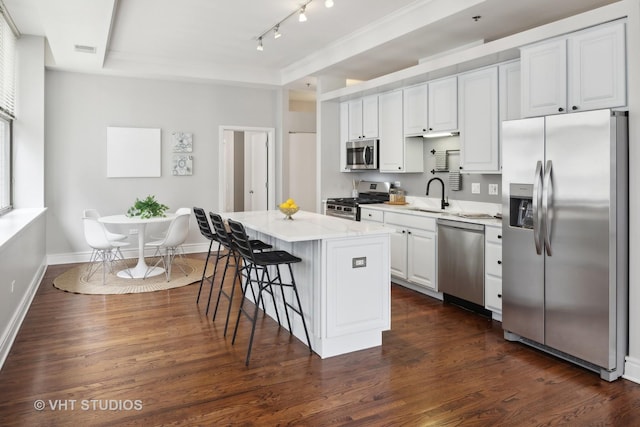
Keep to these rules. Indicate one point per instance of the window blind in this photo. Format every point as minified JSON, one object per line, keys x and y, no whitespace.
{"x":7,"y":67}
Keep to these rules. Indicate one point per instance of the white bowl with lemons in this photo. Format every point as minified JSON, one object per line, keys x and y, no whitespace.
{"x":288,"y":208}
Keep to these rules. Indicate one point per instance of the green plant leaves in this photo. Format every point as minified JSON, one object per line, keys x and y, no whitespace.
{"x":147,"y":208}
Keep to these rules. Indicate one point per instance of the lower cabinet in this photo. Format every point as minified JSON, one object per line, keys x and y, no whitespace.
{"x":413,"y":249}
{"x":493,"y":269}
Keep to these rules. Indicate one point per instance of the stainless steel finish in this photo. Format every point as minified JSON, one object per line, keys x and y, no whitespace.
{"x":547,"y":207}
{"x":461,"y":260}
{"x":537,"y":213}
{"x":348,"y":207}
{"x":347,"y":212}
{"x":373,"y":187}
{"x":579,"y":310}
{"x":362,"y":154}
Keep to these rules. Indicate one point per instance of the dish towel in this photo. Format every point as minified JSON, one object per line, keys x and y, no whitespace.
{"x":454,"y":180}
{"x":441,"y":160}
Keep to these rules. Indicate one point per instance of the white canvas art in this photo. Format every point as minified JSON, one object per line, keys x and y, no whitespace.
{"x":133,"y":152}
{"x":182,"y":164}
{"x":182,"y":142}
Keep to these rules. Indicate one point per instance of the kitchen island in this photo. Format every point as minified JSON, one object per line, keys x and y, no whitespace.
{"x":344,"y":279}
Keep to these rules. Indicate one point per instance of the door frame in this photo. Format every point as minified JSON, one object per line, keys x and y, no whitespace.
{"x":222,"y":168}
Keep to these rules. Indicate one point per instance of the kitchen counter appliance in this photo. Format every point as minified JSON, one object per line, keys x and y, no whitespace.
{"x":362,"y":154}
{"x":369,"y":192}
{"x":565,"y":237}
{"x":461,"y":264}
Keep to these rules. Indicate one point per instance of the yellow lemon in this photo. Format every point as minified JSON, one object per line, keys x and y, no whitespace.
{"x":283,"y":205}
{"x":290,"y":201}
{"x":293,"y":206}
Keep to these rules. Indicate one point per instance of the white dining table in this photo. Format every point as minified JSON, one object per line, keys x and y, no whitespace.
{"x":139,"y":224}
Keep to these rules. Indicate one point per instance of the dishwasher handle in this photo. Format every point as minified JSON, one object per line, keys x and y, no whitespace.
{"x":461,"y":225}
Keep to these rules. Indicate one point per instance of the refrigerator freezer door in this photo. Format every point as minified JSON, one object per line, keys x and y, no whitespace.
{"x":577,"y":283}
{"x":522,"y":268}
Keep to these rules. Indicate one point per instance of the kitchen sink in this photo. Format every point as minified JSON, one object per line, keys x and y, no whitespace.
{"x":438,"y":211}
{"x":474,"y":215}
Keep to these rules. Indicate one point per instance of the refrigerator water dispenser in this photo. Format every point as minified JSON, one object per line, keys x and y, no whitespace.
{"x":521,"y":205}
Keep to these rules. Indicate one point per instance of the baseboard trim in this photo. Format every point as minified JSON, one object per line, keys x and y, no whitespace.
{"x":130,"y":252}
{"x":631,"y":369}
{"x":11,"y":332}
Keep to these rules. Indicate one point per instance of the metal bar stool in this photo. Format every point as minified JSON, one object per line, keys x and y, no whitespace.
{"x":205,"y":230}
{"x":256,"y":271}
{"x":231,"y":255}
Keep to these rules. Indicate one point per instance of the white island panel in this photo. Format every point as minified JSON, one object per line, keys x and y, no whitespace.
{"x":346,"y":307}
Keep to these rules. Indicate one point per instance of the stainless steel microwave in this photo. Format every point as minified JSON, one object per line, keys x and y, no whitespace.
{"x":362,"y":154}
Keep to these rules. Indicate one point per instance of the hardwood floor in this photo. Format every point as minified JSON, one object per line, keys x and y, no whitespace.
{"x":155,"y":359}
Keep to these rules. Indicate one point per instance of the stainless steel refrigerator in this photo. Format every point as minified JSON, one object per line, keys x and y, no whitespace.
{"x":565,"y":236}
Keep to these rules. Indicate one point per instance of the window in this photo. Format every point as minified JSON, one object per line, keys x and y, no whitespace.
{"x":7,"y":105}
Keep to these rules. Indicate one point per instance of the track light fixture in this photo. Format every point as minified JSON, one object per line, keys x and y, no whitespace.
{"x":302,"y":17}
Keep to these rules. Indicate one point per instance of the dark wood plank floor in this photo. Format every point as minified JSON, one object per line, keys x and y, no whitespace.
{"x":155,"y":359}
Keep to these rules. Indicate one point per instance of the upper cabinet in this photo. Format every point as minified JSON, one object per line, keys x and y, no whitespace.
{"x":509,"y":91}
{"x":479,"y":122}
{"x":416,"y":107}
{"x":431,"y":107}
{"x":397,"y":153}
{"x":584,"y":71}
{"x":363,"y":118}
{"x":344,"y":135}
{"x":443,"y":105}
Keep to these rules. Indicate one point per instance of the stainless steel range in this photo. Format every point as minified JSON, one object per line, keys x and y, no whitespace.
{"x":349,"y":207}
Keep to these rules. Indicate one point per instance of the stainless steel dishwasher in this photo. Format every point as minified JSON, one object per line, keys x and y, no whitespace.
{"x":461,"y":260}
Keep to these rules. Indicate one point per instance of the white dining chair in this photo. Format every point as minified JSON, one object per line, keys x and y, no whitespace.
{"x":93,"y":213}
{"x":105,"y":252}
{"x":170,"y":245}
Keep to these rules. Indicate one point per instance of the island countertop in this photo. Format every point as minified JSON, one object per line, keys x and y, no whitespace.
{"x":305,"y":225}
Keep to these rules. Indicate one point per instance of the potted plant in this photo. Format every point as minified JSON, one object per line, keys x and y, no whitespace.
{"x":147,"y":208}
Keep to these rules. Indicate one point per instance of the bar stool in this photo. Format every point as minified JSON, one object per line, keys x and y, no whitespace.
{"x":205,"y":230}
{"x":258,"y":263}
{"x":231,"y":255}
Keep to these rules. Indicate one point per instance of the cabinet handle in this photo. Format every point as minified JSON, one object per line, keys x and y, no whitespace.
{"x":399,"y":167}
{"x":499,"y":262}
{"x":561,"y":109}
{"x":430,"y":129}
{"x":424,"y":130}
{"x":499,"y":236}
{"x":408,"y":232}
{"x":499,"y":295}
{"x":460,"y":167}
{"x":404,"y":231}
{"x":574,"y":108}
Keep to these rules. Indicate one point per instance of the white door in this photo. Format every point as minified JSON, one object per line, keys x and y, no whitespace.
{"x":302,"y":170}
{"x":255,"y":171}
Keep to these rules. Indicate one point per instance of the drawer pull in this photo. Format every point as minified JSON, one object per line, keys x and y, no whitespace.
{"x":499,"y":262}
{"x":499,"y":236}
{"x":499,"y":295}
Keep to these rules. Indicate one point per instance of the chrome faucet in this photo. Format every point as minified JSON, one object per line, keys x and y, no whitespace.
{"x":443,"y":203}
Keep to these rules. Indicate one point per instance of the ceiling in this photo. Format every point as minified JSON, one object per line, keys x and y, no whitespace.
{"x":215,"y":40}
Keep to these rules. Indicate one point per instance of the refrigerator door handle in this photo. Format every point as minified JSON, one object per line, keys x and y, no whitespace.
{"x":537,"y":211}
{"x":547,"y":205}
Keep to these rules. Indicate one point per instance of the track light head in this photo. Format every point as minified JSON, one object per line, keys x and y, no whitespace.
{"x":276,"y":32}
{"x":302,"y":17}
{"x":260,"y":47}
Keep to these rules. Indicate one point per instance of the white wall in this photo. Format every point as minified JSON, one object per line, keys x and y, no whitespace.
{"x":28,"y":129}
{"x":79,"y":107}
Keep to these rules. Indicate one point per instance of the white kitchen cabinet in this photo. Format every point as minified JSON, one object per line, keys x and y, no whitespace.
{"x":413,"y":248}
{"x":585,"y":70}
{"x":443,"y":105}
{"x":397,"y":153}
{"x":363,"y":118}
{"x":344,"y":136}
{"x":479,"y":121}
{"x":416,"y":106}
{"x":371,"y":215}
{"x":493,"y":268}
{"x":509,"y":91}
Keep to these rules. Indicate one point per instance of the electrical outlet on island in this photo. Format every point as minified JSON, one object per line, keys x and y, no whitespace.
{"x":493,"y":189}
{"x":475,"y":188}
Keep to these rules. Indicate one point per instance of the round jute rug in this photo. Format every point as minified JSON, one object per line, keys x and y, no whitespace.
{"x":74,"y":280}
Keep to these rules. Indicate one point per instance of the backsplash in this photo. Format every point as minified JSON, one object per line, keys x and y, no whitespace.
{"x":415,"y":184}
